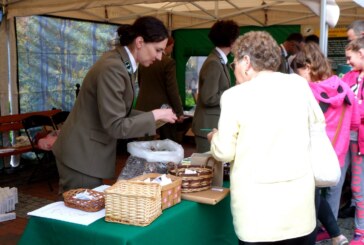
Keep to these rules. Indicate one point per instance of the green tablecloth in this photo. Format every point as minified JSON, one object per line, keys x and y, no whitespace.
{"x":185,"y":223}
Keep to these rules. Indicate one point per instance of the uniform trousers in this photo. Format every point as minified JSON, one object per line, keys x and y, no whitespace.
{"x":72,"y":179}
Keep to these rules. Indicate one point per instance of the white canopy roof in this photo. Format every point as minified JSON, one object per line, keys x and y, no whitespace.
{"x":176,"y":14}
{"x":185,"y":13}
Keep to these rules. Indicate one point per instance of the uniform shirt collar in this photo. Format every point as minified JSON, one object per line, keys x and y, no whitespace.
{"x":131,"y":58}
{"x":284,"y":50}
{"x":223,"y":56}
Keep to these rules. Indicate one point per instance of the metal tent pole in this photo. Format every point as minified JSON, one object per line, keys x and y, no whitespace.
{"x":323,"y":27}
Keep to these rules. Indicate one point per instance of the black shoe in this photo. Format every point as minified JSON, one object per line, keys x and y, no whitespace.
{"x":347,"y":212}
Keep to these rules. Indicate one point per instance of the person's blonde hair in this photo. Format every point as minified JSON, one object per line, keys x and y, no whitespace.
{"x":262,"y":49}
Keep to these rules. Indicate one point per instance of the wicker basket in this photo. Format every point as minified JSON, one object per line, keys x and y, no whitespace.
{"x":195,"y":182}
{"x":133,"y":202}
{"x":93,"y":205}
{"x":171,"y":193}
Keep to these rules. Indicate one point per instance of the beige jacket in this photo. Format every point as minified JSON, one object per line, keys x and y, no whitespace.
{"x":264,"y":132}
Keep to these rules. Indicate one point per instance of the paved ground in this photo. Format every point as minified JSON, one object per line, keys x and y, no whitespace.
{"x":346,"y":227}
{"x":29,"y":203}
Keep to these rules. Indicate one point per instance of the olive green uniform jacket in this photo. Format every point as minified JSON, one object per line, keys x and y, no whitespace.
{"x":101,"y":115}
{"x":158,"y":85}
{"x":214,"y":79}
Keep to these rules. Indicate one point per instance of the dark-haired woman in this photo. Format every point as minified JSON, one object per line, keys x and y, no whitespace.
{"x":214,"y":79}
{"x":85,"y":150}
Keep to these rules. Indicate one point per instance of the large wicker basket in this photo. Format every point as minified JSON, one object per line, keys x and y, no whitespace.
{"x":171,"y":193}
{"x":96,"y":204}
{"x":195,"y":182}
{"x":133,"y":202}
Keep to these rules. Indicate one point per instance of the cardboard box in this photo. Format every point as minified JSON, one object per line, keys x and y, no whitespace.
{"x":211,"y":196}
{"x":201,"y":158}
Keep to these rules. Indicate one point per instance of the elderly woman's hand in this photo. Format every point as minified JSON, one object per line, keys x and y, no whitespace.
{"x":165,"y":115}
{"x":211,"y":134}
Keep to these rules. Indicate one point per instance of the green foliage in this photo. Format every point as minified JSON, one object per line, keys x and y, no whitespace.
{"x":190,"y":102}
{"x":53,"y":55}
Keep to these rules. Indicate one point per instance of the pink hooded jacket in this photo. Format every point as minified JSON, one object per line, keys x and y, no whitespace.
{"x":333,"y":94}
{"x":351,"y":79}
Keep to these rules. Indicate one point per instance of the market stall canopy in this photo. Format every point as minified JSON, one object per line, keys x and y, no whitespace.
{"x":179,"y":14}
{"x":332,"y":13}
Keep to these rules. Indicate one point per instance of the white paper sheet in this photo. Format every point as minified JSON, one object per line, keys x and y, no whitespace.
{"x":101,"y":188}
{"x":59,"y":211}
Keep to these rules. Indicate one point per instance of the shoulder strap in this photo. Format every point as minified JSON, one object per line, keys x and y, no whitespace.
{"x":334,"y":140}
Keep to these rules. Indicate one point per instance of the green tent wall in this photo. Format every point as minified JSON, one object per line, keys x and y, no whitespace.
{"x":195,"y":42}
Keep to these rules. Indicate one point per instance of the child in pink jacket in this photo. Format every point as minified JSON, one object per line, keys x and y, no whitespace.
{"x":354,"y":52}
{"x":339,"y":106}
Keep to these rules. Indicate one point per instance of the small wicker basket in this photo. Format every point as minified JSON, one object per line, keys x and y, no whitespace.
{"x":133,"y":202}
{"x":171,"y":193}
{"x":195,"y":182}
{"x":96,"y":204}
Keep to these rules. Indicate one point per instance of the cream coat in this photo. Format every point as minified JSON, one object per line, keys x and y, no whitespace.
{"x":264,"y":132}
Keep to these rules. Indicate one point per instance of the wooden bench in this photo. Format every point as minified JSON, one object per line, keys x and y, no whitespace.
{"x":14,"y":123}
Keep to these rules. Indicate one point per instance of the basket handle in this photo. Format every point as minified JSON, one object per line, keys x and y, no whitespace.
{"x":172,"y":165}
{"x":211,"y":161}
